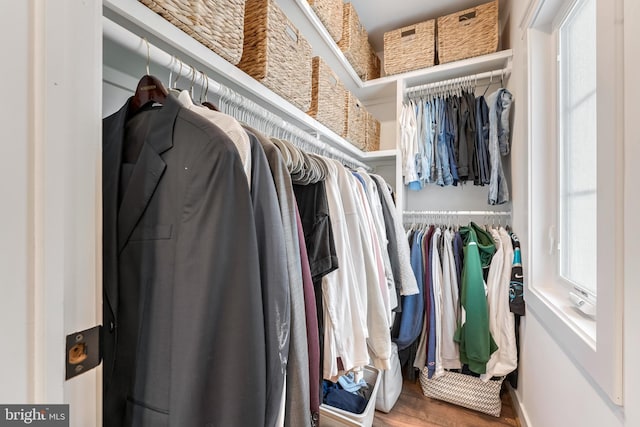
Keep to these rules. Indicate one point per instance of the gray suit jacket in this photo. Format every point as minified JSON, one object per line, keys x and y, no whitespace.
{"x":184,"y":341}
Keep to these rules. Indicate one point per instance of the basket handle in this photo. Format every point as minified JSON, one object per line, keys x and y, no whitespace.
{"x":292,"y":33}
{"x":467,"y":16}
{"x":408,"y":32}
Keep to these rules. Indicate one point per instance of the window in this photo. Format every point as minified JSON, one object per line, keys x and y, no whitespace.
{"x":575,"y":210}
{"x":577,"y":137}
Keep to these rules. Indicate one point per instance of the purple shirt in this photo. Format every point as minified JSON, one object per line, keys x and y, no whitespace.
{"x":313,"y":340}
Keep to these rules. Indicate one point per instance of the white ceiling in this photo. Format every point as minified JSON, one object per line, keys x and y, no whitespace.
{"x":379,"y":16}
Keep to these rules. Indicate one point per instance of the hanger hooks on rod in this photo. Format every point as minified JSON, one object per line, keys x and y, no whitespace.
{"x":193,"y":79}
{"x":489,"y":85}
{"x":206,"y":89}
{"x":175,"y":82}
{"x":173,"y":59}
{"x":148,"y":54}
{"x":132,"y":41}
{"x":454,"y":86}
{"x":200,"y":99}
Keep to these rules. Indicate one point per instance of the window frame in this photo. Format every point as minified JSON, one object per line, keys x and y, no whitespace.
{"x":584,"y":292}
{"x":595,"y":346}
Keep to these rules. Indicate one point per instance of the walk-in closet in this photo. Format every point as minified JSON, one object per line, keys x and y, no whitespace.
{"x":320,"y":213}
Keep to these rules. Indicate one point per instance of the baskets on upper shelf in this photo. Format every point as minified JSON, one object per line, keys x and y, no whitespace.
{"x":327,"y":97}
{"x":356,"y":47}
{"x":461,"y":35}
{"x":361,"y":128}
{"x":217,"y":24}
{"x":355,"y":40}
{"x":468,"y":33}
{"x":355,"y":121}
{"x":410,"y":48}
{"x":372,"y":135}
{"x":330,"y":14}
{"x":373,"y":65}
{"x":275,"y":53}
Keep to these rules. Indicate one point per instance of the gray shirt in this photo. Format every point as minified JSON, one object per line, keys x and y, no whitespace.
{"x":297,"y":404}
{"x":273,"y":247}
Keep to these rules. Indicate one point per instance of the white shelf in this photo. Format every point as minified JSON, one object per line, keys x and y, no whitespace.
{"x":452,"y":70}
{"x":314,"y":31}
{"x":137,"y":18}
{"x":134,"y":16}
{"x":381,"y":155}
{"x":305,"y":19}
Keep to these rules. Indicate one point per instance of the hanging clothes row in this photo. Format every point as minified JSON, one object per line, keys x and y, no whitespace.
{"x":358,"y":256}
{"x":450,"y":136}
{"x":237,"y":268}
{"x":466,"y":315}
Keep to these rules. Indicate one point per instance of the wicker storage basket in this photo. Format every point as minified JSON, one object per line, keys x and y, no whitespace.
{"x":464,"y":390}
{"x":355,"y":121}
{"x":410,"y":48}
{"x":330,"y":14}
{"x":217,"y":24}
{"x":355,"y":41}
{"x":327,"y":97}
{"x":471,"y":32}
{"x":373,"y":65}
{"x":372,"y":137}
{"x":275,"y":53}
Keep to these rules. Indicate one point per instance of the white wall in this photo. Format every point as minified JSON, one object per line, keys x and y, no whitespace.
{"x":552,"y":390}
{"x":631,"y":353}
{"x":14,"y":216}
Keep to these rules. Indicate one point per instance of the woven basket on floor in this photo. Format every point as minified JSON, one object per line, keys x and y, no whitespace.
{"x":410,"y":48}
{"x":372,"y":137}
{"x":275,"y":53}
{"x":373,"y":65}
{"x":471,"y":32}
{"x":327,"y":97}
{"x":464,"y":390}
{"x":217,"y":24}
{"x":330,"y":14}
{"x":355,"y":40}
{"x":355,"y":121}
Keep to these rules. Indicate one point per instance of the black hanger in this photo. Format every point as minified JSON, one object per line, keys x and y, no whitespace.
{"x":210,"y":106}
{"x":149,"y":89}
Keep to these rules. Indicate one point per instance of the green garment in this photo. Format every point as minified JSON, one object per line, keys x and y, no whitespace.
{"x":474,"y":337}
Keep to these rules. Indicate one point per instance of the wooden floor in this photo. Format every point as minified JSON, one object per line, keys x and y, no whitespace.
{"x":413,"y":409}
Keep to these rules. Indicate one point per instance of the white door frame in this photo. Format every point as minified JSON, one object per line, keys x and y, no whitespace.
{"x":50,"y":154}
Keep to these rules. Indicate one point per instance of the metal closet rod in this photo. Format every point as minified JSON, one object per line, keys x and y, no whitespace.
{"x":141,"y":46}
{"x":504,"y":72}
{"x":460,"y":213}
